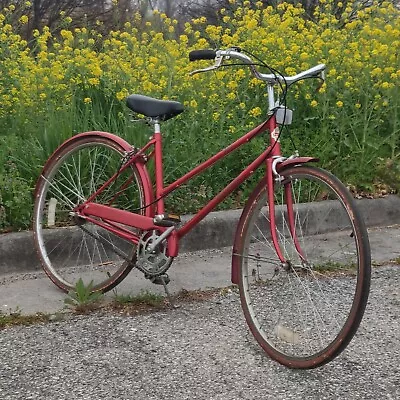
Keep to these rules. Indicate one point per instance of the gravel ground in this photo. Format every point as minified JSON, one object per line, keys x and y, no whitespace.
{"x":199,"y":351}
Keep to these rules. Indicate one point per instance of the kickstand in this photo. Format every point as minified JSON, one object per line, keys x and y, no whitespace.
{"x":164,"y":280}
{"x":170,"y":299}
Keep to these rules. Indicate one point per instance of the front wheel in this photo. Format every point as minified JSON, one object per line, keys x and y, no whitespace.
{"x":303,"y":310}
{"x":70,"y":247}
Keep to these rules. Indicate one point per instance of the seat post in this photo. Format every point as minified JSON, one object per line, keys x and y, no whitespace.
{"x":156,"y":123}
{"x":158,"y":164}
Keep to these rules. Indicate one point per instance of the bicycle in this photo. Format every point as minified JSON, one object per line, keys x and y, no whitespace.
{"x":301,"y":255}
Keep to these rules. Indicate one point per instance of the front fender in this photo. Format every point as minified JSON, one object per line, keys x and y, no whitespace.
{"x":238,"y":244}
{"x":290,"y":162}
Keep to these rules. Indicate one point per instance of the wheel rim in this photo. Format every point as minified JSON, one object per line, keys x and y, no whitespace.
{"x":303,"y":311}
{"x":69,"y":247}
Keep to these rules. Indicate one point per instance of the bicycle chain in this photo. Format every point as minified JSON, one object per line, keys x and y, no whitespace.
{"x":113,"y":248}
{"x":120,"y":253}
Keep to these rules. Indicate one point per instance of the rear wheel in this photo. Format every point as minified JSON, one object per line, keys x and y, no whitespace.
{"x":305,"y":310}
{"x":70,"y":247}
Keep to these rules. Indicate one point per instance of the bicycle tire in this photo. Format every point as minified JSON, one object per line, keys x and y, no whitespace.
{"x":305,"y":311}
{"x":69,"y":247}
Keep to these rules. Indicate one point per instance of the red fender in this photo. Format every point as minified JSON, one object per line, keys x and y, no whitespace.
{"x":290,"y":162}
{"x":236,"y":257}
{"x":141,"y":167}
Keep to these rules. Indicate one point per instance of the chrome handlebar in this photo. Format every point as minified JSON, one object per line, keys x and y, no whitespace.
{"x":220,"y":55}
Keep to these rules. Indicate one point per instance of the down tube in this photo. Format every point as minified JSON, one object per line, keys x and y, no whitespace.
{"x":223,"y":194}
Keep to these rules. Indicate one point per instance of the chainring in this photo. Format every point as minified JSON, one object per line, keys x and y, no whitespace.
{"x":156,"y":262}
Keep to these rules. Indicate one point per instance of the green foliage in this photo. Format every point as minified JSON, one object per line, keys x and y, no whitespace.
{"x":145,"y":297}
{"x":388,"y":174}
{"x":15,"y":317}
{"x":15,"y":198}
{"x":77,"y":81}
{"x":82,"y":298}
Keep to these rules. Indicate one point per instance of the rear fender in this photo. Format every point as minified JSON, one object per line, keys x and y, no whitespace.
{"x":141,"y":167}
{"x":239,"y":235}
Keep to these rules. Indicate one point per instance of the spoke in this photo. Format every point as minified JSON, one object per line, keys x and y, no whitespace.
{"x":92,"y":171}
{"x":295,"y":297}
{"x":77,"y":192}
{"x":71,"y":179}
{"x":78,"y":174}
{"x":341,"y":250}
{"x":66,"y":199}
{"x":102,"y":239}
{"x":255,"y":257}
{"x":314,"y":309}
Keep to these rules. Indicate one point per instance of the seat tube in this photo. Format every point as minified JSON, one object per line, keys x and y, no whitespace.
{"x":158,"y":167}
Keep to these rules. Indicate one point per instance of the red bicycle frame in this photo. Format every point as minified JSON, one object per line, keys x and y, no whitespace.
{"x":110,"y":218}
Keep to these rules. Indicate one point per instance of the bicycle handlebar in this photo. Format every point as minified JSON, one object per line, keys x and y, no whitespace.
{"x":221,"y":55}
{"x":202,"y":55}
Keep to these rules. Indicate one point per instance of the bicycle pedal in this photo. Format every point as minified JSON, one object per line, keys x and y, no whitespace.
{"x":167,"y":220}
{"x":160,"y":280}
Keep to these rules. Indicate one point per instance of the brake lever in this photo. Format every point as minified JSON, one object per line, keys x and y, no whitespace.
{"x":218,"y":63}
{"x":197,"y":71}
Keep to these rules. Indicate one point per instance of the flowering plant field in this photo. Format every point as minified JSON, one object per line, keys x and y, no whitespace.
{"x":75,"y":80}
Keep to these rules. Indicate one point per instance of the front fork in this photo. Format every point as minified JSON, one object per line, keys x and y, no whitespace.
{"x":273,"y":177}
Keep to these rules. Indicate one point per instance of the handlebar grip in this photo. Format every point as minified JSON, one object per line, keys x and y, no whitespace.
{"x":202,"y":55}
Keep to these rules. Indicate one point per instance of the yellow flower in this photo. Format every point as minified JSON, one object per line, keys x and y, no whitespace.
{"x":314,"y":103}
{"x":122,"y":94}
{"x":332,"y":72}
{"x":376,"y":71}
{"x":94,"y":81}
{"x":24,"y":19}
{"x":339,"y":103}
{"x":255,"y":112}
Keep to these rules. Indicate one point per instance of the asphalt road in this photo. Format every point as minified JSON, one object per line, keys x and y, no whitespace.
{"x":199,"y":351}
